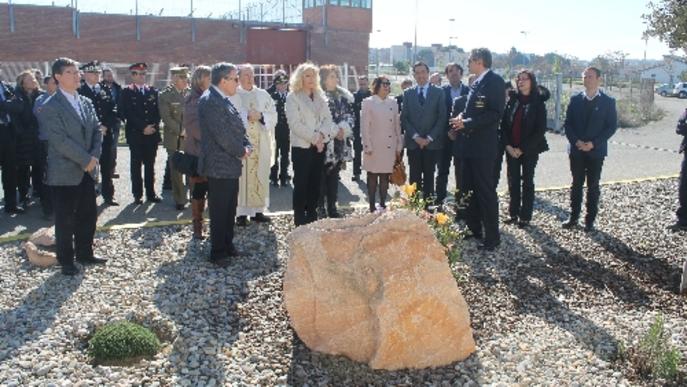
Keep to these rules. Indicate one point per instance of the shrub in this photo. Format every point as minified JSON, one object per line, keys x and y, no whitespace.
{"x":122,"y":341}
{"x":655,"y":354}
{"x":632,"y":114}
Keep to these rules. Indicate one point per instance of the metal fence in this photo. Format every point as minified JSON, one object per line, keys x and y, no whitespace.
{"x":268,"y":11}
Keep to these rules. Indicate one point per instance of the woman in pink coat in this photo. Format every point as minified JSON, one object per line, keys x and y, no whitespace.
{"x":380,"y":130}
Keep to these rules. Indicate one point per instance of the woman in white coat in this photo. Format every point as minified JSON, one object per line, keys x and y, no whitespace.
{"x":311,"y":126}
{"x":380,"y":130}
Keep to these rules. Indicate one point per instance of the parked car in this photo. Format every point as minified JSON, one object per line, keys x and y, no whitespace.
{"x":680,"y":90}
{"x":664,"y":90}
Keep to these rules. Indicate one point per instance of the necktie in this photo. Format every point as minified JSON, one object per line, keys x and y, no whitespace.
{"x":421,"y":97}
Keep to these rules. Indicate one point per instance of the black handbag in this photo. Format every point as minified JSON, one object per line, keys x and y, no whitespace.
{"x":185,"y":163}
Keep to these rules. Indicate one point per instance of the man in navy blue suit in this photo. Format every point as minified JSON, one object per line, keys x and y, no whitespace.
{"x":477,"y":126}
{"x":591,"y":119}
{"x":455,"y":89}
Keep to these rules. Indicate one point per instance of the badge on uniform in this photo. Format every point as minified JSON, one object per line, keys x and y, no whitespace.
{"x":481,"y":102}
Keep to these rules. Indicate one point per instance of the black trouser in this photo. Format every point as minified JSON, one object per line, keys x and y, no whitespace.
{"x":75,"y":218}
{"x":329,"y":189}
{"x":223,"y":197}
{"x":199,"y":190}
{"x":521,"y":181}
{"x":682,"y":210}
{"x":422,"y":165}
{"x":107,"y":168}
{"x":115,"y":144}
{"x":143,"y":154}
{"x":280,"y":169}
{"x":444,"y":168}
{"x":498,"y":164}
{"x":583,"y":166}
{"x":46,"y":194}
{"x":307,"y":174}
{"x":478,"y":180}
{"x":357,"y":151}
{"x":31,"y":176}
{"x":8,"y":163}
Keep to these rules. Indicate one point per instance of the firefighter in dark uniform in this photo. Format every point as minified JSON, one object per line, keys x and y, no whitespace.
{"x":138,"y":105}
{"x":106,"y":108}
{"x":279,"y":90}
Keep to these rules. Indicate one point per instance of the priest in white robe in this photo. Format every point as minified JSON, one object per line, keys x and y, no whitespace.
{"x":260,"y":114}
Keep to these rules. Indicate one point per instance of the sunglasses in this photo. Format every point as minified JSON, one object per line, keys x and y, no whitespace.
{"x":385,"y":83}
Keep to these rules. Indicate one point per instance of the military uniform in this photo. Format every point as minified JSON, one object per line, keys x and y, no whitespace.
{"x":106,"y":109}
{"x":171,"y":106}
{"x":138,"y":105}
{"x":280,"y":169}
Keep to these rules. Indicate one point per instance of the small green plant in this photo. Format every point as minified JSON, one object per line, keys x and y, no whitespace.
{"x":655,"y":354}
{"x":122,"y":341}
{"x":448,"y":233}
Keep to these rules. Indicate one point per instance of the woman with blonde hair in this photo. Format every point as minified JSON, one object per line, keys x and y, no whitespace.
{"x":311,"y":125}
{"x":200,"y":82}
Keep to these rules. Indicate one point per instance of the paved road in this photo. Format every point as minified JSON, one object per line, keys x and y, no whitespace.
{"x":634,"y":153}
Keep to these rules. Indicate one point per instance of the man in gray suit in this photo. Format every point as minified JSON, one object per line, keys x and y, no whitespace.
{"x":74,"y":145}
{"x":223,"y":144}
{"x":423,"y":120}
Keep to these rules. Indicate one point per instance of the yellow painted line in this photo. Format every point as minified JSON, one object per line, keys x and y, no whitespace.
{"x":182,"y":222}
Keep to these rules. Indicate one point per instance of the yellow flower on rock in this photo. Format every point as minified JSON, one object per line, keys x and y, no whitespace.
{"x":409,"y":189}
{"x":441,"y":218}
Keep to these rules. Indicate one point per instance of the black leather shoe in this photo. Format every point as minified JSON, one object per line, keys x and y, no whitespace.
{"x":221,"y":262}
{"x":70,"y":269}
{"x":242,"y":221}
{"x":589,"y":227}
{"x":115,"y":175}
{"x":138,"y":201}
{"x":92,"y":260}
{"x":355,"y":178}
{"x":274,"y":182}
{"x":235,"y":253}
{"x":677,"y":227}
{"x":180,"y":207}
{"x":261,"y":218}
{"x":511,"y":220}
{"x":523,"y":224}
{"x":479,"y":237}
{"x":14,"y":210}
{"x":111,"y":202}
{"x":154,"y":199}
{"x":569,"y":224}
{"x":489,"y":246}
{"x":284,"y":182}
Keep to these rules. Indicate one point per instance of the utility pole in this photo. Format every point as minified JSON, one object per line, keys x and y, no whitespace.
{"x":415,"y":42}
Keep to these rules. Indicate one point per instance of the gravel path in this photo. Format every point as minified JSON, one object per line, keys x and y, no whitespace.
{"x":551,"y":306}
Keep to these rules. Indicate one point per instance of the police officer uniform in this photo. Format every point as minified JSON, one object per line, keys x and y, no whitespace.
{"x":138,"y":105}
{"x":106,"y":109}
{"x":280,"y":168}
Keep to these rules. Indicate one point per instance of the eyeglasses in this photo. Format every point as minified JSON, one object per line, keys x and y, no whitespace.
{"x":138,"y":73}
{"x":385,"y":83}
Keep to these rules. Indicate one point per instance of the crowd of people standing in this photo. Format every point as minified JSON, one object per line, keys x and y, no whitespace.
{"x":62,"y":141}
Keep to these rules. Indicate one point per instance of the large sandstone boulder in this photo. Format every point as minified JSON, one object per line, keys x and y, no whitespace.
{"x":377,"y":289}
{"x":40,"y":247}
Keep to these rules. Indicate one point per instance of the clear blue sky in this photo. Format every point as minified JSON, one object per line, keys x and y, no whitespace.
{"x":582,"y":28}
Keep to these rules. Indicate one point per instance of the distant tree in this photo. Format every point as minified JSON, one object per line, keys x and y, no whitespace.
{"x":402,"y":67}
{"x":683,"y":76}
{"x":427,"y":56}
{"x":667,"y":21}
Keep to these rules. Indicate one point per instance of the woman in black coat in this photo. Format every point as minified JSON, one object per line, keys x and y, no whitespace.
{"x":29,"y":166}
{"x":524,"y":127}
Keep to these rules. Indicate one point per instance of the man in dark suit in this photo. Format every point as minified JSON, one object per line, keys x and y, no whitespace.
{"x":478,"y":124}
{"x":75,"y":138}
{"x":405,"y":84}
{"x":455,"y":89}
{"x":681,"y":224}
{"x":224,"y":144}
{"x":116,"y":91}
{"x":358,"y":97}
{"x":9,"y":105}
{"x":106,"y":109}
{"x":423,"y":120}
{"x":591,"y":119}
{"x":138,"y":105}
{"x":279,"y":90}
